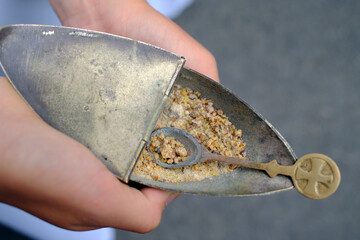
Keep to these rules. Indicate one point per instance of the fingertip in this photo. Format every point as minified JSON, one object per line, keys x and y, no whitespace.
{"x":172,"y":197}
{"x":158,"y":200}
{"x":156,"y":197}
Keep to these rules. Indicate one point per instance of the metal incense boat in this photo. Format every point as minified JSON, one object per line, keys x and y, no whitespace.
{"x":107,"y":92}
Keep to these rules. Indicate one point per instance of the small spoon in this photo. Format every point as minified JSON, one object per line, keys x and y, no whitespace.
{"x":314,"y":175}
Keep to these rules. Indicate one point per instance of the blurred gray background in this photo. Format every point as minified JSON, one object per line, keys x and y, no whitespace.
{"x":298,"y":64}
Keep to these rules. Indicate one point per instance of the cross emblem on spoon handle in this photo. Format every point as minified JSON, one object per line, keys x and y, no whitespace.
{"x":314,"y":175}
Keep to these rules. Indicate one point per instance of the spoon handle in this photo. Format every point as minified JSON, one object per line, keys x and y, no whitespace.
{"x":314,"y":175}
{"x":272,"y":168}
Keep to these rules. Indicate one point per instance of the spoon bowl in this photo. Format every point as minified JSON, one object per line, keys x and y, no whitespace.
{"x":315,"y":176}
{"x":190,"y":143}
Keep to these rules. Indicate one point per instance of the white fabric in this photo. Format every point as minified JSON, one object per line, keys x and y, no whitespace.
{"x":170,"y":8}
{"x":36,"y":228}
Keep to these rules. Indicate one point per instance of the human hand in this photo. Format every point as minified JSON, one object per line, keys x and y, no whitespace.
{"x":138,"y":20}
{"x":53,"y":177}
{"x":50,"y":175}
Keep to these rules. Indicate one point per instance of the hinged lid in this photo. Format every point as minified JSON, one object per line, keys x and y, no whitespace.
{"x":105,"y":91}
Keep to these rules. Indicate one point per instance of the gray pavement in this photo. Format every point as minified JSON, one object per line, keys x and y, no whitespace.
{"x":298,"y":64}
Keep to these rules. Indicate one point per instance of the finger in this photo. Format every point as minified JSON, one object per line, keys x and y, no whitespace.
{"x":80,"y":191}
{"x":73,"y":198}
{"x":137,"y":20}
{"x":127,"y":208}
{"x":11,"y":103}
{"x":152,"y":27}
{"x":158,"y":197}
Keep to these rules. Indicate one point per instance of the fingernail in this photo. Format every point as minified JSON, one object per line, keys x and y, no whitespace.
{"x":172,"y":197}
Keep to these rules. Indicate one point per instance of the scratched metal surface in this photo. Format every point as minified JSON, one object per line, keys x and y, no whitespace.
{"x":297,"y":63}
{"x":102,"y":90}
{"x":263,"y":144}
{"x":107,"y":92}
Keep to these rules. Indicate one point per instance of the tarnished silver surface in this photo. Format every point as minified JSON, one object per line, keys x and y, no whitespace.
{"x":103,"y":90}
{"x":107,"y":92}
{"x":263,"y":144}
